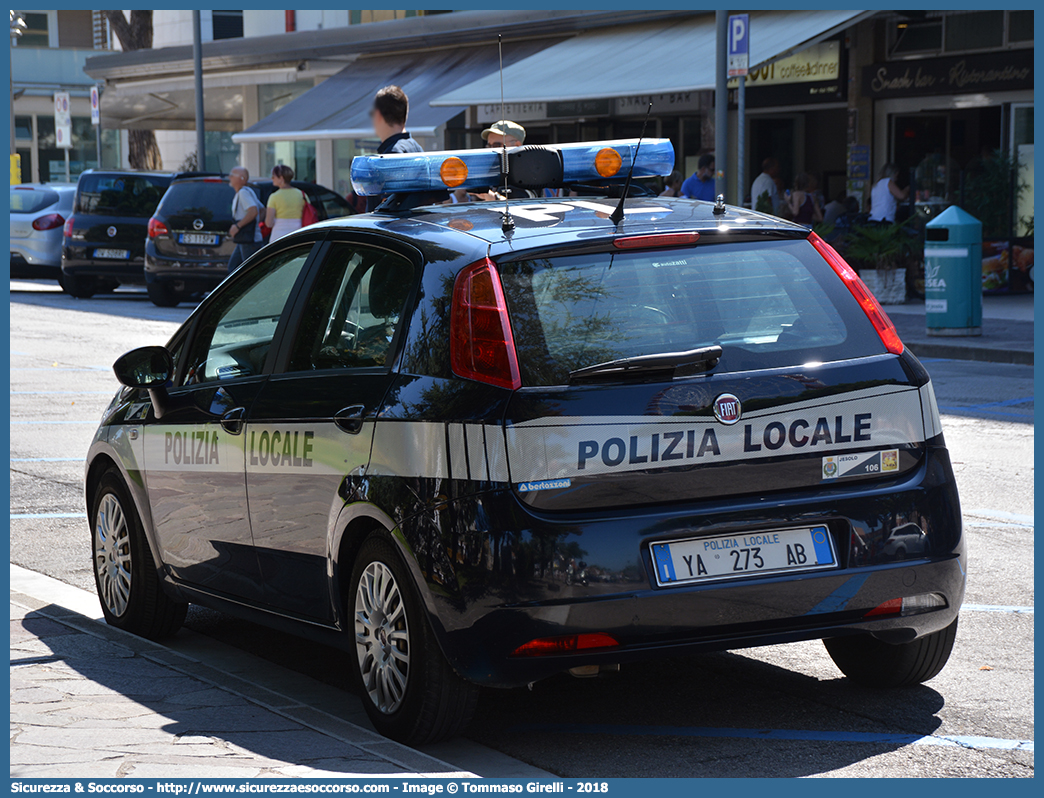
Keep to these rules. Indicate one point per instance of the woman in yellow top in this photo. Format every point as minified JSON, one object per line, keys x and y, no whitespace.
{"x":286,"y":205}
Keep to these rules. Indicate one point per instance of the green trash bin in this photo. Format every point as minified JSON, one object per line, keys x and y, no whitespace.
{"x":953,"y":273}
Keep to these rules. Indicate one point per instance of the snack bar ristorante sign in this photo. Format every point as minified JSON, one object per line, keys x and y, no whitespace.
{"x":1009,"y":71}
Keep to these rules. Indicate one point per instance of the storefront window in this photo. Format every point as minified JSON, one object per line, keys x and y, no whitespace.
{"x":298,"y":155}
{"x":344,"y":150}
{"x":1022,"y":146}
{"x":35,"y":33}
{"x":23,"y":127}
{"x":222,"y":152}
{"x":1020,"y":26}
{"x":977,"y":30}
{"x":82,"y":155}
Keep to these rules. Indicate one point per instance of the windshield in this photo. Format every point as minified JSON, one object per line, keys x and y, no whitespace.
{"x":130,"y":195}
{"x":32,"y":200}
{"x":767,"y":305}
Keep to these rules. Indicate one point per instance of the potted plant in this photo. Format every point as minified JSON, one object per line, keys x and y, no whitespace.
{"x":878,"y":249}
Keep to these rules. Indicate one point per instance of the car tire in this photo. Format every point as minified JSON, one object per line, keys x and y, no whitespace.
{"x":874,"y":663}
{"x":78,"y":287}
{"x":125,"y":574}
{"x":427,"y":703}
{"x":163,"y":295}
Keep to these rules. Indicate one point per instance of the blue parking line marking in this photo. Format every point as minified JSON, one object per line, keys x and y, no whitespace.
{"x":839,"y":599}
{"x":59,"y":368}
{"x":997,"y":608}
{"x":1001,"y":515}
{"x":664,"y":563}
{"x":61,"y":393}
{"x":883,"y":738}
{"x":821,"y":546}
{"x":22,"y":516}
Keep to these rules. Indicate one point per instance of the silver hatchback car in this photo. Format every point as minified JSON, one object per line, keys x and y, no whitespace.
{"x":38,"y":214}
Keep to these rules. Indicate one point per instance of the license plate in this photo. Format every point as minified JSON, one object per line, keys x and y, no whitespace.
{"x":708,"y":559}
{"x":198,"y":239}
{"x":118,"y":254}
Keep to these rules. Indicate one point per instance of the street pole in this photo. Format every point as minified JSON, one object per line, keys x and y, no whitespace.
{"x":721,"y":102}
{"x":197,"y":59}
{"x":98,"y":131}
{"x":741,"y":159}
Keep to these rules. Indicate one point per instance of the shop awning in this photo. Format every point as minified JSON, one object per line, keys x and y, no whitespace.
{"x":652,"y":58}
{"x":339,"y":107}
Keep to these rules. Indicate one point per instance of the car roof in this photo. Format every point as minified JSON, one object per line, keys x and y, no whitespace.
{"x":536,"y":221}
{"x":45,"y":186}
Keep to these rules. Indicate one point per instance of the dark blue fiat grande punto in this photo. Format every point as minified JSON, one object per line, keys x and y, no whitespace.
{"x":479,"y":444}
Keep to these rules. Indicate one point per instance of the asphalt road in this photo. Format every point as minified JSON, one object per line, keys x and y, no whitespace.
{"x":778,"y":711}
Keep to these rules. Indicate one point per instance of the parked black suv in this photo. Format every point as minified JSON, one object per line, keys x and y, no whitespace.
{"x":104,"y":240}
{"x":188,"y":245}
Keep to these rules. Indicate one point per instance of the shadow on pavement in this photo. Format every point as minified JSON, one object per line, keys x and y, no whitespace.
{"x":131,"y":303}
{"x":80,"y":699}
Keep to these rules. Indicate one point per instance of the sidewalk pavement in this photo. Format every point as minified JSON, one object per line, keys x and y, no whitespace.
{"x":1007,"y":332}
{"x":88,"y":700}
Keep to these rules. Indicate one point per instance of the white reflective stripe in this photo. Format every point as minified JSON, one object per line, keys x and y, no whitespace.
{"x":496,"y":454}
{"x":320,"y":448}
{"x":458,"y":461}
{"x":560,"y":448}
{"x":946,"y":252}
{"x":409,"y":449}
{"x":930,"y":411}
{"x":192,"y":447}
{"x":476,"y":440}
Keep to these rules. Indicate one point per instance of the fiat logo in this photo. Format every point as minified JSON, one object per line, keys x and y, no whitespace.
{"x":197,"y":225}
{"x":111,"y":231}
{"x":727,"y":409}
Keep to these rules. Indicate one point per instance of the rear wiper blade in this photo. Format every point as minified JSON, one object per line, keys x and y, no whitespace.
{"x":666,"y":362}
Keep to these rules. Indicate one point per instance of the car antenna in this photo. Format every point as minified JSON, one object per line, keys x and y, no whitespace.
{"x":617,"y":215}
{"x":508,"y":224}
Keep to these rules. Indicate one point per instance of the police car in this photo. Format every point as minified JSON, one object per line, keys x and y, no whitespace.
{"x":482,"y":444}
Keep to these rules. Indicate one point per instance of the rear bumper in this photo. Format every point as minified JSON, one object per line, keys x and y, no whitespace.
{"x":76,"y":264}
{"x":197,"y":274}
{"x":510,"y":587}
{"x":37,"y":253}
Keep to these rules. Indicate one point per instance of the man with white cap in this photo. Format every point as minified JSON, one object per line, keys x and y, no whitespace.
{"x":501,"y":134}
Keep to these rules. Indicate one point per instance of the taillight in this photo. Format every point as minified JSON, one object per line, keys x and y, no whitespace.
{"x":67,"y":230}
{"x":48,"y":222}
{"x":481,"y":345}
{"x":658,"y":240}
{"x":867,"y":301}
{"x":567,"y":644}
{"x":911,"y":605}
{"x":157,"y":228}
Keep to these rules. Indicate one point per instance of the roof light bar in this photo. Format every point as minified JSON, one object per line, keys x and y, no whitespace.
{"x":433,"y":171}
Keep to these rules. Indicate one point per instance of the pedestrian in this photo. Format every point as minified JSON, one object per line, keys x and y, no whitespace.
{"x":802,"y":204}
{"x":285,"y":205}
{"x":835,"y":209}
{"x":672,"y":185}
{"x":764,"y":193}
{"x":502,"y":134}
{"x":701,"y":184}
{"x":246,"y":209}
{"x":885,"y":194}
{"x":390,"y":108}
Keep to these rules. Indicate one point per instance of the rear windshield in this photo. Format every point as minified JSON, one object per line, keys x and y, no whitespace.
{"x":768,"y":305}
{"x":203,"y":199}
{"x":32,"y":200}
{"x":120,"y":195}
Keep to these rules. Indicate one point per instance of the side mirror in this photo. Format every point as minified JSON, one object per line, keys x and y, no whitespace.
{"x":148,"y":367}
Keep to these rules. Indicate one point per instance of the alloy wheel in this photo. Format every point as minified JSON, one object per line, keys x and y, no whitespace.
{"x":382,"y":637}
{"x":112,"y":554}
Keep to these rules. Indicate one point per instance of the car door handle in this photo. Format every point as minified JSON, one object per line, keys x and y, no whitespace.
{"x":232,"y":421}
{"x":350,"y":419}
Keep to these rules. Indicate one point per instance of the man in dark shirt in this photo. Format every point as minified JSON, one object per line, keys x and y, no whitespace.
{"x":390,"y":108}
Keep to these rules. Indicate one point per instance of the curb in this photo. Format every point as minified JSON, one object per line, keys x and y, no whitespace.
{"x":981,"y":354}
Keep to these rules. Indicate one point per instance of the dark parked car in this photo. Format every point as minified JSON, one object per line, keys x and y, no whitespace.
{"x":420,"y":434}
{"x":38,"y":213}
{"x":104,"y":239}
{"x":188,"y":244}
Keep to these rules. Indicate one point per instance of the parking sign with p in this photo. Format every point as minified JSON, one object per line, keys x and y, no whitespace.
{"x":739,"y":45}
